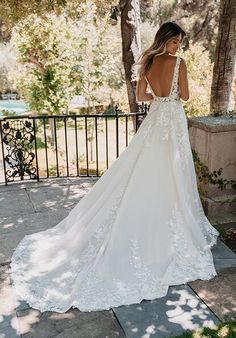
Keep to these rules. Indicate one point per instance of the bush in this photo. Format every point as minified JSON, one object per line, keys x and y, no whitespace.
{"x":200,"y":75}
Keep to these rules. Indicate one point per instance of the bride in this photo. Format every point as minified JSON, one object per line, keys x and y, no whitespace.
{"x":141,"y":228}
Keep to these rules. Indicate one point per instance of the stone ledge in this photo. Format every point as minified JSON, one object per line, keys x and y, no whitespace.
{"x":212,"y":205}
{"x":213,"y":123}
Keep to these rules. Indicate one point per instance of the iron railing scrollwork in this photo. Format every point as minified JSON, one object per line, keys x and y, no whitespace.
{"x":18,"y":149}
{"x":62,"y":143}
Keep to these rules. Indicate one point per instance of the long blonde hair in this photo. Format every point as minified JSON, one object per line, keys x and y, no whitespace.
{"x":165,"y":33}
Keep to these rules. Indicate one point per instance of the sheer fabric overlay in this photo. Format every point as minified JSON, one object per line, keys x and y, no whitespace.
{"x":140,"y":229}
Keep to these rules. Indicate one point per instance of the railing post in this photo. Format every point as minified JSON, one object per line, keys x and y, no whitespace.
{"x":117,"y":131}
{"x":21,"y":135}
{"x":35,"y":146}
{"x":3,"y":156}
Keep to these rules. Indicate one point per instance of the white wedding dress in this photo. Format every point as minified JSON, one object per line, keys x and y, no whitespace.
{"x":140,"y":229}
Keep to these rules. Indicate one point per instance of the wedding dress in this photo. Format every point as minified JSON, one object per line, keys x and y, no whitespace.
{"x":140,"y":229}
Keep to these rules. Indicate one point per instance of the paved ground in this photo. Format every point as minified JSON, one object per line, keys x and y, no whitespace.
{"x":31,"y":207}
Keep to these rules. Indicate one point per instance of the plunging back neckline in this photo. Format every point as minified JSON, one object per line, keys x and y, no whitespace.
{"x":173,"y":88}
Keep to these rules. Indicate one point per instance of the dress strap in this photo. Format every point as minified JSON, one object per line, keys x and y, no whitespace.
{"x":174,"y":86}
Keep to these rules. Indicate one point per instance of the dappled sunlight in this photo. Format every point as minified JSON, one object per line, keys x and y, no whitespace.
{"x":135,"y":329}
{"x":186,"y":310}
{"x":26,"y":321}
{"x":192,"y":303}
{"x":56,"y":316}
{"x":224,"y":331}
{"x":139,"y":308}
{"x":15,"y":314}
{"x":62,"y":280}
{"x":56,"y":197}
{"x":57,"y":295}
{"x":209,"y":295}
{"x":8,"y":225}
{"x":50,"y":204}
{"x":184,"y":296}
{"x":176,"y":312}
{"x":225,"y":300}
{"x":162,"y":328}
{"x":150,"y":330}
{"x":9,"y":301}
{"x":45,"y":265}
{"x":15,"y":324}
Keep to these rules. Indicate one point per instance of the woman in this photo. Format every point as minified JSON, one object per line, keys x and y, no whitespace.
{"x":141,"y":228}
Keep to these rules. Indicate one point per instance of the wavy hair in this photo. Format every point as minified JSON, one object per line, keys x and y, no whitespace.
{"x":165,"y":33}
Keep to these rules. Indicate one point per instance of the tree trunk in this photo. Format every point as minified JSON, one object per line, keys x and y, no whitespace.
{"x":222,"y":100}
{"x":131,"y":44}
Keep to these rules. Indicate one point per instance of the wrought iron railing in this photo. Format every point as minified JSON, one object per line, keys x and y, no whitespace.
{"x":63,"y":145}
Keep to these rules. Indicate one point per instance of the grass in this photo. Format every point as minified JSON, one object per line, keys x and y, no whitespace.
{"x":224,"y":330}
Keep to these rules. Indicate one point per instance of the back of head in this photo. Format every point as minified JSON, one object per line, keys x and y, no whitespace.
{"x":165,"y":33}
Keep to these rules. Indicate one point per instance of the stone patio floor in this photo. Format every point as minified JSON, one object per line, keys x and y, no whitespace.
{"x":34,"y":206}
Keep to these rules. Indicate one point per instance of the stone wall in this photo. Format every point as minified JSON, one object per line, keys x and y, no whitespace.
{"x":214,"y":139}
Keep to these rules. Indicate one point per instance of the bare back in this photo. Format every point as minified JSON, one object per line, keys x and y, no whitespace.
{"x":160,"y":75}
{"x":160,"y":78}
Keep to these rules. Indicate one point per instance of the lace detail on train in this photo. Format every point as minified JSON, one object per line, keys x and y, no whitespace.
{"x":140,"y":229}
{"x":39,"y":293}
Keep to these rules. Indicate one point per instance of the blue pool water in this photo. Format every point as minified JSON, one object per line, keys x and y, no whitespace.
{"x":17,"y":106}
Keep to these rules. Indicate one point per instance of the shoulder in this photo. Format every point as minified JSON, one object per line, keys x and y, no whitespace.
{"x":182,"y":64}
{"x":164,"y":58}
{"x":182,"y":61}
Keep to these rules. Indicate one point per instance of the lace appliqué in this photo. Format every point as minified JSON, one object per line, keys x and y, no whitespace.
{"x":181,"y":131}
{"x":39,"y":294}
{"x":149,"y":283}
{"x":209,"y":232}
{"x":164,"y":111}
{"x":164,"y":120}
{"x":190,"y":264}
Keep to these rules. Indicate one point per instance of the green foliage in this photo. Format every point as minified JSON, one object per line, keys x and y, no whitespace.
{"x":52,"y":170}
{"x":200,"y":76}
{"x":221,"y":229}
{"x":198,"y":18}
{"x":205,"y":176}
{"x":7,"y":62}
{"x":59,"y":57}
{"x":46,"y":50}
{"x":167,"y":10}
{"x":8,"y":113}
{"x":40,"y":144}
{"x":223,"y":330}
{"x":103,"y":74}
{"x":4,"y":81}
{"x":48,"y":76}
{"x":110,"y":110}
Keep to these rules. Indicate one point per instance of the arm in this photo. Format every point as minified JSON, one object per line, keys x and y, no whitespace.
{"x":183,"y":81}
{"x":141,"y":94}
